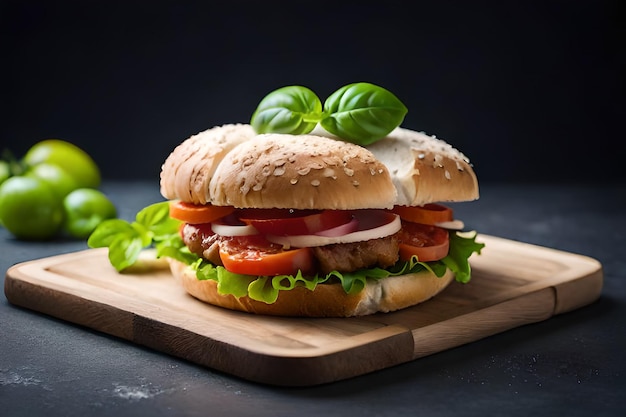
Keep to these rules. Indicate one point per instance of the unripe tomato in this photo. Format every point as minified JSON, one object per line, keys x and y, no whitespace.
{"x":29,"y":208}
{"x":86,"y":208}
{"x":5,"y":171}
{"x":76,"y":162}
{"x":59,"y":180}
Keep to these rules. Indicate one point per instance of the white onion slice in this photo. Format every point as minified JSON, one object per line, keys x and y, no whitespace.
{"x":451,"y":225}
{"x":376,"y":221}
{"x":233,"y":230}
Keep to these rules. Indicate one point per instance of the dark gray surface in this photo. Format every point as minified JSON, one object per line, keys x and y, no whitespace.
{"x":570,"y":365}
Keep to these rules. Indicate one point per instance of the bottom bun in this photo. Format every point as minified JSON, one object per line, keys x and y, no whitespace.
{"x":327,"y":300}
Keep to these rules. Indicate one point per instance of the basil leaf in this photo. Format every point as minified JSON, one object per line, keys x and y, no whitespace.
{"x":362,"y":113}
{"x":154,"y":214}
{"x":152,"y":227}
{"x":172,"y":251}
{"x":294,"y":109}
{"x":108,"y":231}
{"x":123,"y":252}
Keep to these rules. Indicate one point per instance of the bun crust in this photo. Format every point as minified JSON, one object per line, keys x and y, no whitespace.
{"x":188,"y":170}
{"x":327,"y":300}
{"x":231,"y":165}
{"x":424,"y":169}
{"x":301,"y":172}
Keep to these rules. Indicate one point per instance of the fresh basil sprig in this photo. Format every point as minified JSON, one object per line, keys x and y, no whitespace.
{"x":125,"y":240}
{"x":360,"y":113}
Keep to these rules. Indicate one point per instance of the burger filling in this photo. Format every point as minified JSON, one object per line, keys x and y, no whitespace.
{"x":343,"y":257}
{"x":260,"y":252}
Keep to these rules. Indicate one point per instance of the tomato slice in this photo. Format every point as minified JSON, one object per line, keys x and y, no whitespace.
{"x":254,"y":255}
{"x":198,"y":214}
{"x":426,"y":214}
{"x":294,"y":222}
{"x":428,"y":243}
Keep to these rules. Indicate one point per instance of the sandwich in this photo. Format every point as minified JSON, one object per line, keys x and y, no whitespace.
{"x":308,"y":225}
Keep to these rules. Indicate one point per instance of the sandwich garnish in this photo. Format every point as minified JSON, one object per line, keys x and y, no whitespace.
{"x":360,"y":113}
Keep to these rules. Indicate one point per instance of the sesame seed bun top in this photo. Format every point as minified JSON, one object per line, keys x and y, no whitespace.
{"x":232,"y":165}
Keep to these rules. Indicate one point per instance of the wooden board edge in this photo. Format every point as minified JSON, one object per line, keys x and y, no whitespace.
{"x":392,"y":346}
{"x":68,"y":307}
{"x":580,"y":292}
{"x":530,"y":308}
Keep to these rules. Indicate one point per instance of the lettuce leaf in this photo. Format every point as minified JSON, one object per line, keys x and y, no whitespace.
{"x":266,"y":289}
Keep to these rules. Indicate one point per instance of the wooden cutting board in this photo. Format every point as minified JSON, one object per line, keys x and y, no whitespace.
{"x":513,"y":284}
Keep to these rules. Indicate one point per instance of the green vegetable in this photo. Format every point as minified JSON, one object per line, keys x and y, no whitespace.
{"x":153,"y":226}
{"x":293,"y":109}
{"x":85,"y":209}
{"x":360,"y":113}
{"x":57,"y":177}
{"x":51,"y":166}
{"x":266,"y":289}
{"x":5,"y":171}
{"x":29,"y":208}
{"x":78,"y":164}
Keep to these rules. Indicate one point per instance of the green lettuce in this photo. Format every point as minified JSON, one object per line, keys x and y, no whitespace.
{"x":266,"y":289}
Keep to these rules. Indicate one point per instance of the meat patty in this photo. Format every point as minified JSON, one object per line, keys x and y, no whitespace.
{"x":346,"y":257}
{"x":342,"y":257}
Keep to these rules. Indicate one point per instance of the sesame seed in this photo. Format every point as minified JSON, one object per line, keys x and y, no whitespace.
{"x":315,"y":183}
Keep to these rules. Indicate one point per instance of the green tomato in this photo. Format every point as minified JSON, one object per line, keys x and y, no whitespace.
{"x":5,"y":171}
{"x":76,"y":162}
{"x":59,"y":180}
{"x":29,"y":208}
{"x":86,"y":208}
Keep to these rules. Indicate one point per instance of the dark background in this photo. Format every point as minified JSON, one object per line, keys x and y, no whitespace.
{"x":531,"y":91}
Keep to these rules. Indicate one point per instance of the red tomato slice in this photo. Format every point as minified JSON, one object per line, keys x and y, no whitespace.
{"x":254,"y":255}
{"x":426,"y":214}
{"x":428,"y":243}
{"x":299,"y":222}
{"x":198,"y":214}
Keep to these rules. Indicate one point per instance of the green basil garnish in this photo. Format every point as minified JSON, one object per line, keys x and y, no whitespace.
{"x":294,"y":109}
{"x":360,"y":113}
